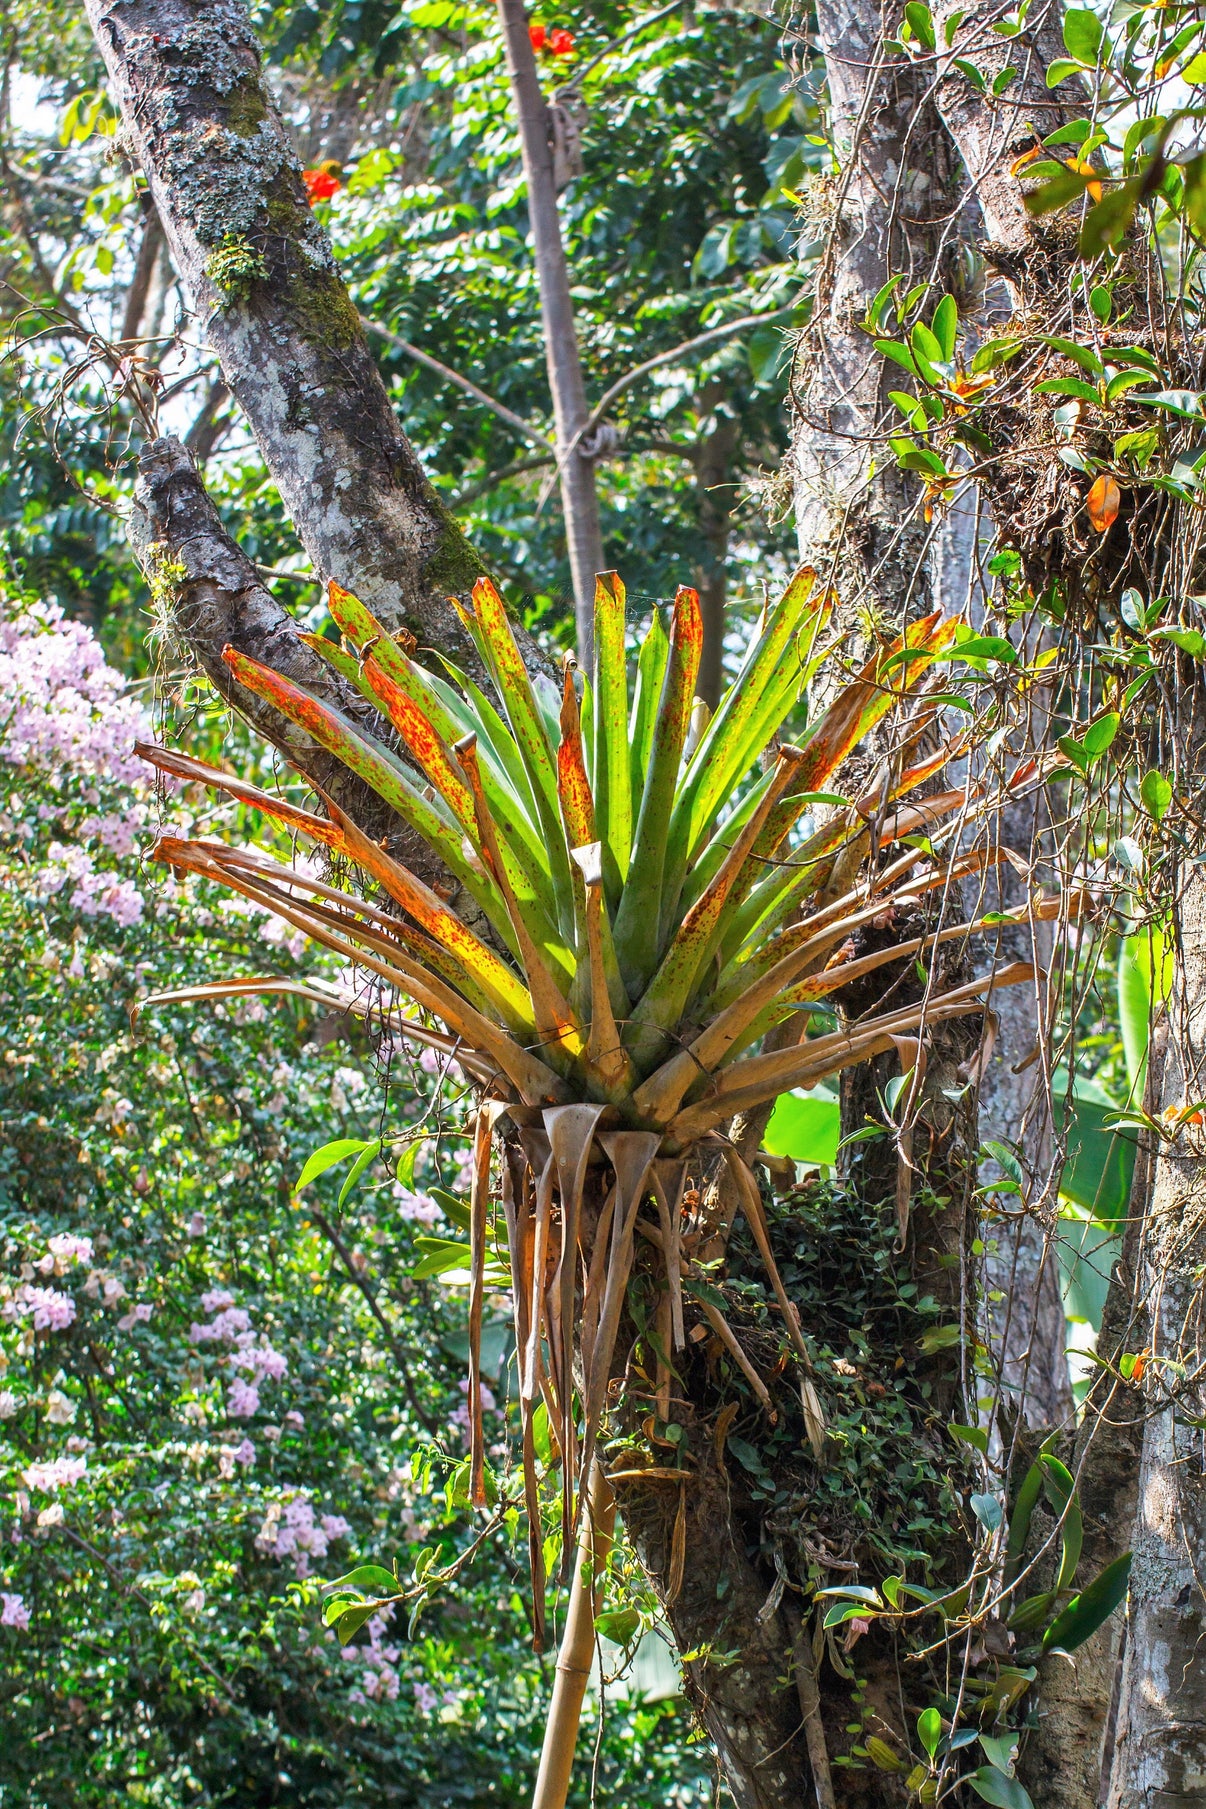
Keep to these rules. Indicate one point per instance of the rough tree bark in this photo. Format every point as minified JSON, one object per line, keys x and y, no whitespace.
{"x":1159,"y":1736}
{"x":713,"y":459}
{"x":576,"y":467}
{"x":211,"y":594}
{"x":259,"y":271}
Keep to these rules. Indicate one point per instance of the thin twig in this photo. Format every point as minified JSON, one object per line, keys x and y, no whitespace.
{"x":466,"y":383}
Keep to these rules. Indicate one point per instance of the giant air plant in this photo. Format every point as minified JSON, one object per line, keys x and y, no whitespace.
{"x":651,"y":902}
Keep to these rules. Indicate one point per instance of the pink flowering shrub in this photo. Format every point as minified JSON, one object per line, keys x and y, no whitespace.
{"x":71,"y":725}
{"x":59,"y":1473}
{"x":49,"y":1309}
{"x":13,"y":1612}
{"x":292,"y":1530}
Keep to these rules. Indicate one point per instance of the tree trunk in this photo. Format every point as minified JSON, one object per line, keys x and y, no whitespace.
{"x":1159,"y":1755}
{"x":579,"y":495}
{"x":260,"y":273}
{"x":713,"y":458}
{"x":739,"y":1679}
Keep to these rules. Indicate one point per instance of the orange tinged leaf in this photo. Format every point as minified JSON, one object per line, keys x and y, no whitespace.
{"x":577,"y":804}
{"x":423,"y":743}
{"x":1103,"y":503}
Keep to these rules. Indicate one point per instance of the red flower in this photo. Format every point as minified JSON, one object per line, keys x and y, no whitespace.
{"x":561,"y":43}
{"x":537,"y":34}
{"x":320,"y":184}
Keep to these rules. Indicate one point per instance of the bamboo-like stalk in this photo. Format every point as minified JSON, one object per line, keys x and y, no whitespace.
{"x":577,"y":1649}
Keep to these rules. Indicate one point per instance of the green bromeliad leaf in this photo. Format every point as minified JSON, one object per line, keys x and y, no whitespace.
{"x":640,"y":878}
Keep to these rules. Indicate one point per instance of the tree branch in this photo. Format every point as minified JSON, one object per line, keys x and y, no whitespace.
{"x":465,"y":383}
{"x":261,"y":275}
{"x":216,"y":598}
{"x":638,"y":371}
{"x":579,"y":497}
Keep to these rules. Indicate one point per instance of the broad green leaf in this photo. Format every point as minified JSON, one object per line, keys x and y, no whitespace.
{"x":1057,"y":192}
{"x":994,"y":1787}
{"x":1000,"y":1750}
{"x":1109,"y":220}
{"x":1060,"y":1490}
{"x":806,"y":1127}
{"x":1187,"y":403}
{"x":982,"y":647}
{"x":988,"y":1511}
{"x":1082,"y":355}
{"x":976,"y":1436}
{"x":1067,"y":386}
{"x":330,"y":1154}
{"x":1156,"y":795}
{"x":1020,"y":1515}
{"x":364,"y":1160}
{"x":945,"y":326}
{"x":371,"y":1579}
{"x":350,"y":1622}
{"x":1189,"y":640}
{"x":1090,"y":1609}
{"x":929,"y":1730}
{"x":1082,"y":34}
{"x":1100,"y":1160}
{"x":439,"y":1255}
{"x":853,"y":1592}
{"x":1098,"y":738}
{"x":619,"y":1625}
{"x":1145,"y":970}
{"x":921,"y":23}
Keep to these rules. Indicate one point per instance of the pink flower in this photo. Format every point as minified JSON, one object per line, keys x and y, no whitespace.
{"x":242,"y":1399}
{"x":59,"y":1473}
{"x":196,"y":1225}
{"x":245,"y":1453}
{"x":334,"y":1526}
{"x":51,"y":1310}
{"x":415,"y":1205}
{"x":426,"y":1699}
{"x":267,"y":1363}
{"x":65,"y":1247}
{"x":13,"y":1612}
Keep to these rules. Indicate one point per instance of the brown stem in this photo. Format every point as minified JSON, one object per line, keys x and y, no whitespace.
{"x":579,"y":496}
{"x":577,"y":1651}
{"x":463,"y":383}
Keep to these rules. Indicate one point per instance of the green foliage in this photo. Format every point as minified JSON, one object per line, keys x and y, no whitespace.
{"x":173,"y":1653}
